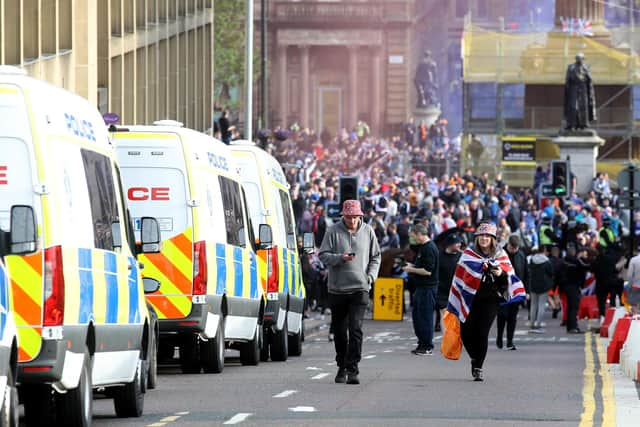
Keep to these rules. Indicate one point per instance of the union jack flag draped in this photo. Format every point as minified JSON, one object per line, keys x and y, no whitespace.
{"x":468,"y":276}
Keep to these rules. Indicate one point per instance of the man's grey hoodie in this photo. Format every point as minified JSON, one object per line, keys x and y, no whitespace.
{"x":347,"y":277}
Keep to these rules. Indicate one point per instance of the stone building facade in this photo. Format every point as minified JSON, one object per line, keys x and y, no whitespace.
{"x":334,"y":63}
{"x":142,"y":59}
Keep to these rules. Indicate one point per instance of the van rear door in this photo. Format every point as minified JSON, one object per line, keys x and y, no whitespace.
{"x":17,"y":172}
{"x":155,"y":180}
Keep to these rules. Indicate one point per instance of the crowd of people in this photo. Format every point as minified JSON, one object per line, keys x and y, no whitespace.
{"x":560,"y":248}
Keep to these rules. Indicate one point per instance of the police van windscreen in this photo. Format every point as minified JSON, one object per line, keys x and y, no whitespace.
{"x":155,"y":185}
{"x":15,"y":165}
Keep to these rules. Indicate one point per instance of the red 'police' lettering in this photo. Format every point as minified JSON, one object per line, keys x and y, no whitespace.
{"x":143,"y":193}
{"x":160,"y":193}
{"x":3,"y":175}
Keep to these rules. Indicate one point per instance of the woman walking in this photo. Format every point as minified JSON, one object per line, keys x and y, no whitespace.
{"x":483,"y":279}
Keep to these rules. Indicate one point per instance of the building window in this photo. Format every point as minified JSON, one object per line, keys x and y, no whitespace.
{"x":513,"y":101}
{"x":483,"y":100}
{"x":636,"y":102}
{"x":461,"y":8}
{"x":482,"y":8}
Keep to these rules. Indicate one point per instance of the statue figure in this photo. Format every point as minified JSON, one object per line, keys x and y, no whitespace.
{"x":579,"y":96}
{"x":426,"y":81}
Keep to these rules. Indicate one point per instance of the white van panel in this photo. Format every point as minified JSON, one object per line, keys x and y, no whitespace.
{"x":160,"y":193}
{"x":68,"y":182}
{"x":16,"y":185}
{"x":211,"y":219}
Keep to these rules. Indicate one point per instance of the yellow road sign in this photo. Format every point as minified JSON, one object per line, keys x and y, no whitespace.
{"x":388,"y":297}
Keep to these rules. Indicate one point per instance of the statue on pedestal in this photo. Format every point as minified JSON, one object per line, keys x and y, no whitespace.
{"x":426,"y":81}
{"x":579,"y":96}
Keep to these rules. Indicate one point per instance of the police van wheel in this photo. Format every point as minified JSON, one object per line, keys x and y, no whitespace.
{"x":38,"y":404}
{"x":280,"y":344}
{"x":128,"y":400}
{"x":75,"y":406}
{"x":295,"y":342}
{"x":152,"y":362}
{"x":9,"y":415}
{"x":189,"y":354}
{"x":212,"y":352}
{"x":264,"y":349}
{"x":250,"y":350}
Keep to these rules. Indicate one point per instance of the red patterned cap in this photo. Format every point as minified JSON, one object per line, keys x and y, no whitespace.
{"x":351,"y":208}
{"x":487,"y":228}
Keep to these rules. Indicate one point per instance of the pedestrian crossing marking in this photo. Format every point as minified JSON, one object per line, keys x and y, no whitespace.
{"x":320,"y":376}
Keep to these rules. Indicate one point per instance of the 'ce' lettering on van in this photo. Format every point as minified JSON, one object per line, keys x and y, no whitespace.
{"x":144,"y":193}
{"x":3,"y":175}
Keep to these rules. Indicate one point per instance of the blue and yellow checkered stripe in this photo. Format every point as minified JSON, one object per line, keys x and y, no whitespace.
{"x":290,"y":273}
{"x":100,"y":286}
{"x":234,"y":273}
{"x":4,"y":300}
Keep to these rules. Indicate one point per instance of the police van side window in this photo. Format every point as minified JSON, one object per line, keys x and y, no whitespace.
{"x":233,"y":217}
{"x":102,"y":195}
{"x":289,"y":224}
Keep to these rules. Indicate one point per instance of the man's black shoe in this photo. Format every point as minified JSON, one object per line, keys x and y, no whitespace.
{"x":499,"y":342}
{"x":574,"y":331}
{"x":341,"y":376}
{"x":352,"y":378}
{"x":422,"y":351}
{"x":477,"y":374}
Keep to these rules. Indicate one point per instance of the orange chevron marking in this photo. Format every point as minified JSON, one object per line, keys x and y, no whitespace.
{"x":29,"y":310}
{"x":183,"y":243}
{"x":35,"y":261}
{"x":164,"y":264}
{"x":164,"y":305}
{"x":23,"y":355}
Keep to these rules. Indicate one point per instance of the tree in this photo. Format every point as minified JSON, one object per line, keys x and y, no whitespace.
{"x":228,"y":47}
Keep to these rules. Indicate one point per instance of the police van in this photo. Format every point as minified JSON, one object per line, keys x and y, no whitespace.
{"x":20,"y":239}
{"x":270,"y":203}
{"x":78,"y":300}
{"x":210,"y":296}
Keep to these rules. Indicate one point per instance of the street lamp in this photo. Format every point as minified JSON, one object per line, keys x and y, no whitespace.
{"x":248,"y":73}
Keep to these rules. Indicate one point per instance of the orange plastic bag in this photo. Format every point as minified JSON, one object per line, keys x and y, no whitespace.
{"x":451,"y":345}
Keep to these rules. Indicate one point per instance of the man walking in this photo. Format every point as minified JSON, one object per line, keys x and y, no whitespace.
{"x":351,"y":253}
{"x":508,"y":313}
{"x":423,"y":275}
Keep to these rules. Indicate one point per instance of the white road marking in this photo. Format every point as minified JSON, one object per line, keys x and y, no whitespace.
{"x":303,"y":409}
{"x":371,"y":356}
{"x":388,"y":351}
{"x":331,"y":363}
{"x":182,"y":413}
{"x":382,"y":334}
{"x":320,"y":376}
{"x":285,"y":393}
{"x":238,"y":418}
{"x":313,"y":368}
{"x":169,"y":419}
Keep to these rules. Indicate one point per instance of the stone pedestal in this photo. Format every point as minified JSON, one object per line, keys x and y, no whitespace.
{"x":429,"y":114}
{"x":581,"y":147}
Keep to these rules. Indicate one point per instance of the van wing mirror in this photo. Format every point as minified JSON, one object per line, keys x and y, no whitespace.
{"x":22,"y":237}
{"x":150,"y":285}
{"x":115,"y":234}
{"x":265,"y":236}
{"x":308,"y":242}
{"x":150,"y":235}
{"x":291,"y":240}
